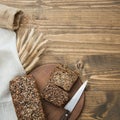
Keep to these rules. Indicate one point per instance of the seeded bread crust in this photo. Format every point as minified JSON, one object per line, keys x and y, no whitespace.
{"x":54,"y":94}
{"x":63,"y":77}
{"x":26,"y":98}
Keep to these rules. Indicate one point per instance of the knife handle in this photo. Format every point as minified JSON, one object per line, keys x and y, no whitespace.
{"x":65,"y":116}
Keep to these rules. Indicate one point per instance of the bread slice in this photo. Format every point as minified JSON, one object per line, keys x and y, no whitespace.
{"x":63,"y":77}
{"x":26,"y":98}
{"x":54,"y":94}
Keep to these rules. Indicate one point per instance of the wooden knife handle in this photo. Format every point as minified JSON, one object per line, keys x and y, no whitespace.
{"x":65,"y":116}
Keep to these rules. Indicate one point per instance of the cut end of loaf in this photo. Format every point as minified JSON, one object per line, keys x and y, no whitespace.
{"x":54,"y":95}
{"x":63,"y":77}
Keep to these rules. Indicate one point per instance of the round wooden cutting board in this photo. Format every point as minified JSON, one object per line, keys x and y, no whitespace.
{"x":52,"y":112}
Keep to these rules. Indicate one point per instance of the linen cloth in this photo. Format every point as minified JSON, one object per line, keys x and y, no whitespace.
{"x":10,"y":17}
{"x":10,"y":67}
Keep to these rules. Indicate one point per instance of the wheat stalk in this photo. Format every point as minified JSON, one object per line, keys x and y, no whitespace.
{"x":30,"y":47}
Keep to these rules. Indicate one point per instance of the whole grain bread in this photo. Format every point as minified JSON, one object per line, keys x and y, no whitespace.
{"x":54,"y":94}
{"x":26,"y":98}
{"x":63,"y":77}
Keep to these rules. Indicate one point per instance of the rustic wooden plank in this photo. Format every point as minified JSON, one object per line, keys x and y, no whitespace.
{"x":84,"y":17}
{"x":81,"y":4}
{"x":105,"y":38}
{"x":19,"y":3}
{"x":102,"y":71}
{"x":101,"y":105}
{"x":66,"y":3}
{"x":101,"y":63}
{"x":70,"y":30}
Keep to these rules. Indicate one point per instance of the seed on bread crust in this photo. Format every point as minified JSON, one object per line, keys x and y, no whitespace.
{"x":63,"y":77}
{"x":54,"y":94}
{"x":26,"y":98}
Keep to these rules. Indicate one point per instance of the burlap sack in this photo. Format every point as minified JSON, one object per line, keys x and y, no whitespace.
{"x":10,"y":17}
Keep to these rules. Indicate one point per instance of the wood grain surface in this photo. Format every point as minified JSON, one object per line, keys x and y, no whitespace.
{"x":81,"y":30}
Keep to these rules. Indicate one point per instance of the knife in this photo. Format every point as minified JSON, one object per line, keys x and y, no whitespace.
{"x":73,"y":101}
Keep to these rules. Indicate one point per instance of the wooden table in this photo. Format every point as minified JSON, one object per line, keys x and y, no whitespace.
{"x":87,"y":31}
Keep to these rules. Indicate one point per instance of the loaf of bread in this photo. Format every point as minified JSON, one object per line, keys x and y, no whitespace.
{"x":63,"y":77}
{"x":26,"y":98}
{"x":54,"y":94}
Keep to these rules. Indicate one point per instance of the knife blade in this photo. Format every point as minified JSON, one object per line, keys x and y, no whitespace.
{"x":69,"y":107}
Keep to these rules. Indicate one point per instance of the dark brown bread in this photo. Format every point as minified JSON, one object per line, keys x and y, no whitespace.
{"x":63,"y":77}
{"x":26,"y":98}
{"x":54,"y":94}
